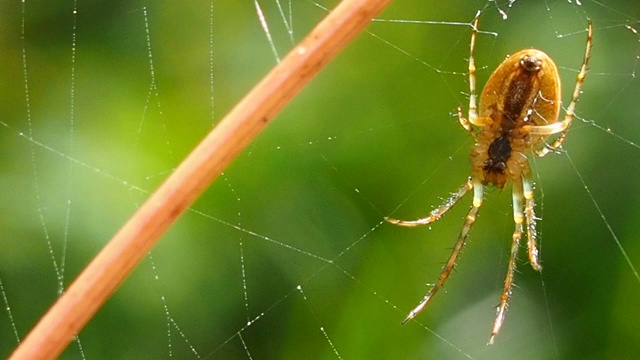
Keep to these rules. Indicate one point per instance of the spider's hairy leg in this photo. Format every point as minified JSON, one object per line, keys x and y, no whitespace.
{"x":451,"y":263}
{"x":473,"y":107}
{"x":478,"y":121}
{"x":436,"y":213}
{"x":463,"y":120}
{"x":530,"y":216}
{"x":473,"y":102}
{"x":563,"y":126}
{"x":551,"y":129}
{"x":518,"y":218}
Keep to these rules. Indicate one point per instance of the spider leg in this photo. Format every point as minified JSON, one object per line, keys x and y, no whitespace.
{"x":563,"y":126}
{"x":451,"y":263}
{"x":479,"y":121}
{"x":436,"y":213}
{"x":518,"y":218}
{"x":473,"y":107}
{"x":463,"y":120}
{"x":531,"y":224}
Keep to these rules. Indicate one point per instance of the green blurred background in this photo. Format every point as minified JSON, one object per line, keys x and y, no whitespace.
{"x":374,"y":134}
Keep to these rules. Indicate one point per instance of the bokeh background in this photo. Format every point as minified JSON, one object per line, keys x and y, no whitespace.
{"x":300,"y":212}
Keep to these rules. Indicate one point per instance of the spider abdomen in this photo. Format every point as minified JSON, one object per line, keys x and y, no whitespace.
{"x":523,"y":90}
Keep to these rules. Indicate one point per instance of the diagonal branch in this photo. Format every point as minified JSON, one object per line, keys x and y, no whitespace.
{"x":118,"y":258}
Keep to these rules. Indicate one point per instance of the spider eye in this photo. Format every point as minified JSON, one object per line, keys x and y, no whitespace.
{"x":530,"y":63}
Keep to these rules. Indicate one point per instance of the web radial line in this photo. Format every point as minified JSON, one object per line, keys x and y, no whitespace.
{"x":604,"y":219}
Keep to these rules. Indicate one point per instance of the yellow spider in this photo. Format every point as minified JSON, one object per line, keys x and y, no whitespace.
{"x":519,"y":111}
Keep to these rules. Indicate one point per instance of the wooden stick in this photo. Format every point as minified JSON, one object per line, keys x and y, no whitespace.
{"x":118,"y":258}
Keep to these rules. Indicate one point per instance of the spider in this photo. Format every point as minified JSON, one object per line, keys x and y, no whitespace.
{"x":519,"y":111}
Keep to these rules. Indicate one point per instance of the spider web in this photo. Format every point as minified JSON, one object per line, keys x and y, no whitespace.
{"x":287,"y":255}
